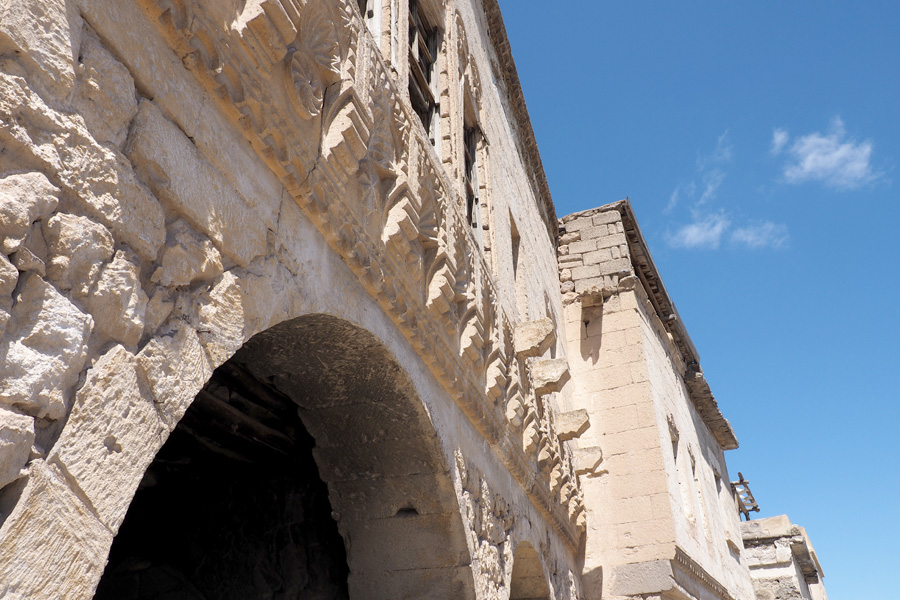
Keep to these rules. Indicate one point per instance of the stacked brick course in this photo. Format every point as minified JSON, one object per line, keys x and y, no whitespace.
{"x":593,"y":251}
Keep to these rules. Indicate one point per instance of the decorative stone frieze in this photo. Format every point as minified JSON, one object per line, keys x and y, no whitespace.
{"x":408,"y":229}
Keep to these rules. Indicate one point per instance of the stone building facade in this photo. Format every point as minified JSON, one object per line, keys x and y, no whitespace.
{"x":281,"y":315}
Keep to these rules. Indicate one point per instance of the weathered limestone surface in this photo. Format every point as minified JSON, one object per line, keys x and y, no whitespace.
{"x":48,"y":522}
{"x":16,"y":439}
{"x":42,"y":355}
{"x":192,"y":186}
{"x":782,"y":561}
{"x":170,"y":164}
{"x":661,"y":522}
{"x":24,"y":199}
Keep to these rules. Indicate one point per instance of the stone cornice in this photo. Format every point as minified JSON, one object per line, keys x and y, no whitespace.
{"x":699,"y":390}
{"x":313,"y":97}
{"x":529,"y":148}
{"x":688,"y":565}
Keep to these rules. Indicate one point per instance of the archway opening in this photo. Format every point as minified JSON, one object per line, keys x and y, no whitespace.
{"x":528,"y":580}
{"x":242,"y":502}
{"x":232,"y":506}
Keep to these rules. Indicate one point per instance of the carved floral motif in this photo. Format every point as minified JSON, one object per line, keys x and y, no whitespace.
{"x":378,"y":194}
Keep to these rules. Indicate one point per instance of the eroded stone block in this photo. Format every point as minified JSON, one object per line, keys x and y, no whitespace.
{"x":188,"y":257}
{"x":111,"y":436}
{"x":572,"y":424}
{"x":177,"y":368}
{"x":176,"y":172}
{"x":77,"y":249}
{"x":104,"y":95}
{"x":37,"y":560}
{"x":24,"y":199}
{"x":16,"y":438}
{"x":47,"y":34}
{"x":43,"y":357}
{"x":533,"y":338}
{"x":548,"y":375}
{"x":118,"y":302}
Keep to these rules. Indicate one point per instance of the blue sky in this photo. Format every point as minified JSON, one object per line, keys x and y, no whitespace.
{"x":759,"y":144}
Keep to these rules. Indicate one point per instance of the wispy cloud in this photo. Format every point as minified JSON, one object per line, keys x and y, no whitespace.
{"x":704,"y":232}
{"x":761,"y":235}
{"x":708,"y":226}
{"x":779,"y":140}
{"x":722,"y":153}
{"x":712,"y":181}
{"x":832,"y":158}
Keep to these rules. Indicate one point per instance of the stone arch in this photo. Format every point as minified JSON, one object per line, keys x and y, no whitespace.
{"x":388,"y":481}
{"x":528,"y":581}
{"x":376,"y":448}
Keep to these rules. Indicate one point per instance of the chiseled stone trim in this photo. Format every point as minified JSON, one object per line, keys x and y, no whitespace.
{"x":411,"y":228}
{"x":690,"y":566}
{"x":530,"y":151}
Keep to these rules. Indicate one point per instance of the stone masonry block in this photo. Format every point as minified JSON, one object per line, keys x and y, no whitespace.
{"x":615,"y":266}
{"x":643,"y":533}
{"x":572,"y":424}
{"x":37,"y":542}
{"x":629,"y":441}
{"x":533,"y":338}
{"x":641,"y":578}
{"x":111,"y":436}
{"x":609,"y":216}
{"x":46,"y":34}
{"x":635,"y":393}
{"x":549,"y":375}
{"x":176,"y":367}
{"x":592,"y":233}
{"x":588,"y":460}
{"x":169,"y":163}
{"x":641,"y":483}
{"x":609,"y":241}
{"x":579,"y":224}
{"x":586,"y":272}
{"x":16,"y":438}
{"x":582,"y":246}
{"x":597,"y":256}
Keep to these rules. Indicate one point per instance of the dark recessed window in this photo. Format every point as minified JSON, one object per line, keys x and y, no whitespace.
{"x":423,"y":42}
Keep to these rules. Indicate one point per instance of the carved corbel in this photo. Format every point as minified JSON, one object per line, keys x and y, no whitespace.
{"x":548,"y":375}
{"x":533,"y":338}
{"x":572,"y":424}
{"x":588,"y":460}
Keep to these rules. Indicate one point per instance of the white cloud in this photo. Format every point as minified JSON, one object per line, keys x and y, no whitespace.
{"x":721,"y":154}
{"x":831,"y":158}
{"x":762,"y":235}
{"x":704,"y":232}
{"x":779,"y":140}
{"x":711,"y":183}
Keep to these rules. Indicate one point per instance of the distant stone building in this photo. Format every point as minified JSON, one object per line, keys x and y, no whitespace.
{"x":286,"y":312}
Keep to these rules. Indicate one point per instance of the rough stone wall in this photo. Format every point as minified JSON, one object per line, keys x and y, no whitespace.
{"x":177,"y":177}
{"x":782,"y":561}
{"x":660,"y":511}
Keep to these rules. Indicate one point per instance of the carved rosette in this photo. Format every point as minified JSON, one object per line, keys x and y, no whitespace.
{"x":314,"y":62}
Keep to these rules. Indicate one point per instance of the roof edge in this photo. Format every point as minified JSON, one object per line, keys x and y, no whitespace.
{"x":528,"y":147}
{"x":698,"y":388}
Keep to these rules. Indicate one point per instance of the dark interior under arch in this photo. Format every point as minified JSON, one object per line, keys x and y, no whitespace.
{"x":231,"y":508}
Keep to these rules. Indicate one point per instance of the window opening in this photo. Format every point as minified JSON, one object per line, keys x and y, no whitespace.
{"x":423,"y":45}
{"x":470,"y":135}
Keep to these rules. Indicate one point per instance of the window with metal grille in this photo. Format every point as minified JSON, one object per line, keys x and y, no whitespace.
{"x":423,"y":46}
